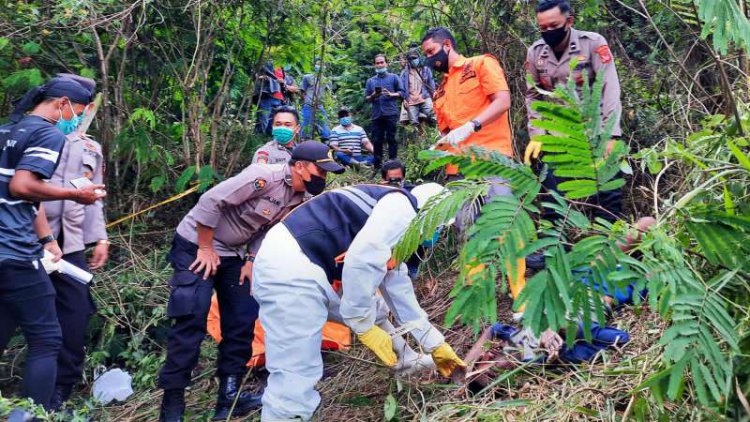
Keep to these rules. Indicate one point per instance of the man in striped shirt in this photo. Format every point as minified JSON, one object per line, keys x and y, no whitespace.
{"x":348,"y":140}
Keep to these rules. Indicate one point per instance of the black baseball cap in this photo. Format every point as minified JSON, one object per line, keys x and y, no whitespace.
{"x":317,"y":153}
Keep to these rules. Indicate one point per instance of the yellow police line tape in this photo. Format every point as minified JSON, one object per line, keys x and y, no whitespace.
{"x":164,"y":202}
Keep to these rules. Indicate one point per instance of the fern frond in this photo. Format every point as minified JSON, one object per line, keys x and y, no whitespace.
{"x":576,"y":140}
{"x":436,"y":213}
{"x":496,"y":242}
{"x":479,"y":163}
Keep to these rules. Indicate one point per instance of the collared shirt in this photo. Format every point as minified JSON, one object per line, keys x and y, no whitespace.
{"x":272,"y":152}
{"x":427,"y":81}
{"x":241,"y":209}
{"x":594,"y":57}
{"x":308,"y":86}
{"x":384,"y":105}
{"x":465,"y":92}
{"x":79,"y":224}
{"x":415,"y":88}
{"x":32,"y":144}
{"x":352,"y":138}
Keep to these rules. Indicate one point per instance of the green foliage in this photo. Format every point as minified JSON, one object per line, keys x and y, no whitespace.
{"x":702,"y":338}
{"x":576,"y":140}
{"x":725,"y":21}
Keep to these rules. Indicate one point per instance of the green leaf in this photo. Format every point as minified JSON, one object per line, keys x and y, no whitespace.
{"x":31,"y":48}
{"x":185,"y":178}
{"x":389,"y":407}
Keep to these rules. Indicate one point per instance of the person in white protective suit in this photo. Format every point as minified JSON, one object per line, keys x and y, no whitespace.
{"x":346,"y":234}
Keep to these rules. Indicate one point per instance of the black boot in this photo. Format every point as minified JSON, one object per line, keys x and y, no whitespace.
{"x":172,"y":406}
{"x":228,"y":391}
{"x":60,"y":395}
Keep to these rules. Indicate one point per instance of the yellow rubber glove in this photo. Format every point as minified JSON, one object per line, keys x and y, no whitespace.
{"x":532,"y":151}
{"x":377,"y":340}
{"x":446,"y":360}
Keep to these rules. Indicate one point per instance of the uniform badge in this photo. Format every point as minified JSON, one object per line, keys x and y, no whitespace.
{"x":604,"y":53}
{"x":262,"y":157}
{"x":266,"y":212}
{"x":259,"y":183}
{"x":90,"y":145}
{"x":540,"y":62}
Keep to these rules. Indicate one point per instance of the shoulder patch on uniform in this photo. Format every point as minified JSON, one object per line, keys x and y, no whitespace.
{"x":262,"y":157}
{"x":259,"y":183}
{"x":604,"y":53}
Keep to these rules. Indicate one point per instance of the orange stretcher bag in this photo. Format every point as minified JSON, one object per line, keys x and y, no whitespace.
{"x":335,"y":336}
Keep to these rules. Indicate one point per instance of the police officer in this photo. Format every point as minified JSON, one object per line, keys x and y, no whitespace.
{"x":294,"y":284}
{"x":31,"y":146}
{"x":214,"y":249}
{"x":285,"y":128}
{"x":548,"y":64}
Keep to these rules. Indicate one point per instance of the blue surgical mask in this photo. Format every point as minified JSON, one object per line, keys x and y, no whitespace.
{"x":415,"y":62}
{"x":317,"y":68}
{"x":381,"y":70}
{"x":345,"y":121}
{"x":69,"y":126}
{"x":282,"y":134}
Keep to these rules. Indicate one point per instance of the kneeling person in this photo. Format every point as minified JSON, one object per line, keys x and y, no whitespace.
{"x":294,"y":284}
{"x":214,"y":249}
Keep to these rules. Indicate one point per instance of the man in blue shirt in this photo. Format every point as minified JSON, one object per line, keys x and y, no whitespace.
{"x":29,"y":154}
{"x":384,"y":91}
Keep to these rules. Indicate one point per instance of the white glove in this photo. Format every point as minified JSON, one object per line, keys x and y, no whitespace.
{"x":457,"y":135}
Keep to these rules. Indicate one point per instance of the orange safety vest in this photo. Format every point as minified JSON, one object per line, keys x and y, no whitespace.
{"x":335,"y":336}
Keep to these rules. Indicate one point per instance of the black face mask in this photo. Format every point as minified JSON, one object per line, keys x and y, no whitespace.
{"x":316,"y":185}
{"x":438,"y":61}
{"x":553,"y":37}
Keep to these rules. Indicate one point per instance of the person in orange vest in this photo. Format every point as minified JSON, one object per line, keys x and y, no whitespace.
{"x":471,"y":106}
{"x":293,"y":281}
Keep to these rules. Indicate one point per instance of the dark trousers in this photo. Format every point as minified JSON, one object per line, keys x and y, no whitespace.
{"x":189,"y":303}
{"x":384,"y":131}
{"x":27,"y":298}
{"x":74,"y":307}
{"x":607,"y":205}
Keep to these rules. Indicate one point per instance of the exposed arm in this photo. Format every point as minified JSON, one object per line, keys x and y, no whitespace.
{"x":42,"y":229}
{"x":499,"y":105}
{"x":41,"y":225}
{"x":28,"y":185}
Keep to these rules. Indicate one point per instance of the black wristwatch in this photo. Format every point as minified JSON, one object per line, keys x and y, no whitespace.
{"x":477,"y":125}
{"x":46,"y":239}
{"x":249,"y":258}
